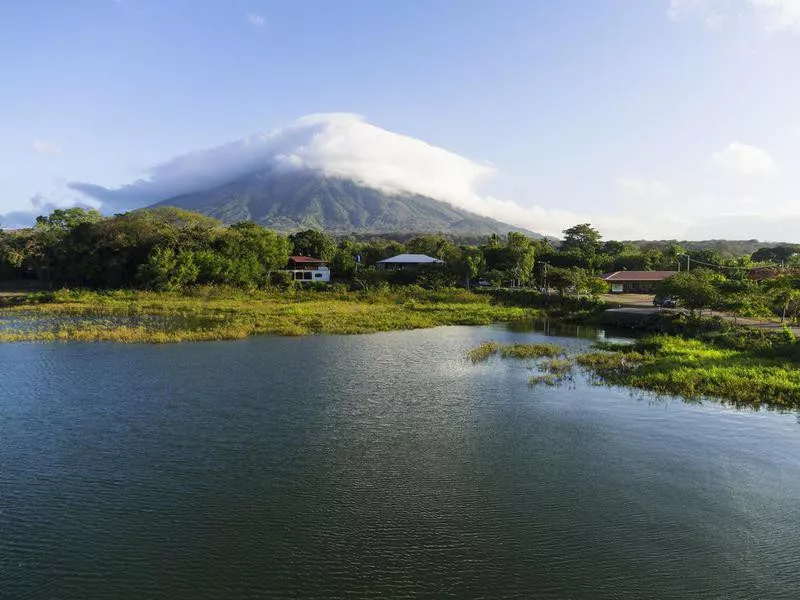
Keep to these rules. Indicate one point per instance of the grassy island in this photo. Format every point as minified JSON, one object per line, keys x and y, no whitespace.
{"x":711,"y":359}
{"x":211,"y":313}
{"x":694,"y":369}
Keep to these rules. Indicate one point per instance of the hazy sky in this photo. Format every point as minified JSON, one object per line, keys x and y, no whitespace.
{"x":649,"y":118}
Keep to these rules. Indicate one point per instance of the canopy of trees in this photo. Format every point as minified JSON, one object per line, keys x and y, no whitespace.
{"x":169,"y":249}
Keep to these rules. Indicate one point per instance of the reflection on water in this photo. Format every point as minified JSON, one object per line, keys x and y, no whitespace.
{"x":558,"y":328}
{"x":50,"y":323}
{"x":378,"y":465}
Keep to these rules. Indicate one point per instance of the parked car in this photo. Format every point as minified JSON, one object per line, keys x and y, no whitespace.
{"x":665,"y":301}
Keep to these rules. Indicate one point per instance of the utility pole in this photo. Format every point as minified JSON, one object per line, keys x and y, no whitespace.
{"x":546,"y":289}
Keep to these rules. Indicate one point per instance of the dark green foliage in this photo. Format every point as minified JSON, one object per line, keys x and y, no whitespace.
{"x":161,"y":249}
{"x":167,"y":248}
{"x":583,"y":239}
{"x":776,"y":254}
{"x":315,"y":244}
{"x":695,"y":290}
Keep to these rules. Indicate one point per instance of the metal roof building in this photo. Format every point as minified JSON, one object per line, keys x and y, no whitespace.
{"x":408,"y":260}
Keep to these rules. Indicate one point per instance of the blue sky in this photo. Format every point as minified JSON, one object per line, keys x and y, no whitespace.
{"x":650,"y":118}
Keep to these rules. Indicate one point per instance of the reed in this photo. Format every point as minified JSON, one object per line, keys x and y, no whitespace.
{"x":212,"y":313}
{"x":561,"y":367}
{"x":483,"y":352}
{"x":547,"y":379}
{"x":523,"y":351}
{"x":696,"y":369}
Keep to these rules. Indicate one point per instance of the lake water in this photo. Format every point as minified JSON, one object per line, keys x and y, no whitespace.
{"x":380,"y":465}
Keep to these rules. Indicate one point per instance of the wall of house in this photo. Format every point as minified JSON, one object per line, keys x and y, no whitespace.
{"x":640,"y":287}
{"x":310,"y":275}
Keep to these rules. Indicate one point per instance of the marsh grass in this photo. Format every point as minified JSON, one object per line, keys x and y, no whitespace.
{"x":557,"y":366}
{"x":483,"y":352}
{"x":523,"y":351}
{"x":211,"y":313}
{"x":519,"y":351}
{"x":554,"y":372}
{"x":697,"y":369}
{"x":547,"y":379}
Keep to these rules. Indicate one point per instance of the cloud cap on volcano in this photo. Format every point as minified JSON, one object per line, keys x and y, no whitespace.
{"x":336,"y":144}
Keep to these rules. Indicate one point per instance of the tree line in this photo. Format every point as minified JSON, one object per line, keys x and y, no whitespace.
{"x":167,"y":248}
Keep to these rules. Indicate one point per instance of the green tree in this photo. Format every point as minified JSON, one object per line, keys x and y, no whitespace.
{"x":583,"y":239}
{"x":64,"y":220}
{"x":167,"y":270}
{"x":473,"y":261}
{"x":47,"y":248}
{"x":313,"y":243}
{"x":695,"y":290}
{"x":521,"y":257}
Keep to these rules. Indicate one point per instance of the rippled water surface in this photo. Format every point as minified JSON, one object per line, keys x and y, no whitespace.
{"x":380,"y":465}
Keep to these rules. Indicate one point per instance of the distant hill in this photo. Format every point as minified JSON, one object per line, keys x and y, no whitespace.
{"x":728,"y":248}
{"x":304,"y":199}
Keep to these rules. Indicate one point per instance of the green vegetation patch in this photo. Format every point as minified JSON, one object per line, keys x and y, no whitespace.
{"x":531,"y":351}
{"x":547,"y":379}
{"x":696,"y":369}
{"x":521,"y":351}
{"x":483,"y":352}
{"x":554,"y":371}
{"x":557,"y":366}
{"x":213,"y":313}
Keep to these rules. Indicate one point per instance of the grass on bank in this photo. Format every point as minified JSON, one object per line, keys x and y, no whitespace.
{"x":212,"y":313}
{"x":696,"y":369}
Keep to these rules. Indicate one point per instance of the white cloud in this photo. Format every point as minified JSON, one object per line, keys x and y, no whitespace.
{"x":773,"y":15}
{"x":342,"y":145}
{"x":46,"y":148}
{"x":346,"y":145}
{"x":707,"y":10}
{"x":338,"y":144}
{"x":641,"y":187}
{"x":744,"y":159}
{"x":779,"y":15}
{"x":256,"y":19}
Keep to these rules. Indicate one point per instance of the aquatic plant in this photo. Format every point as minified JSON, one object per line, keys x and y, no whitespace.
{"x":531,"y":350}
{"x":557,"y":366}
{"x":215,"y":313}
{"x":547,"y":379}
{"x":483,"y":352}
{"x":696,"y":369}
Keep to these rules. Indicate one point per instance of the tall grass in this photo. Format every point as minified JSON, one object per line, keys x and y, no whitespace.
{"x":696,"y":369}
{"x":521,"y":351}
{"x":215,"y":313}
{"x":483,"y":352}
{"x":531,"y":351}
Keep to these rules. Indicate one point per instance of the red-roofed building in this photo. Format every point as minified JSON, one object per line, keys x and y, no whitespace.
{"x":636,"y":282}
{"x":306,"y":268}
{"x":763,"y":273}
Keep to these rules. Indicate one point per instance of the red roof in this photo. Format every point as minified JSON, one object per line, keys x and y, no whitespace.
{"x":306,"y":260}
{"x":639,"y":275}
{"x":762,"y":273}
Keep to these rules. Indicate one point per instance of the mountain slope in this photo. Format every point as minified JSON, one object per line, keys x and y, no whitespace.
{"x":303,"y":199}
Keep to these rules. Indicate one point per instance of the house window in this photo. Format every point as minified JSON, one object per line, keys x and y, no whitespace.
{"x":317,"y":274}
{"x":307,"y":275}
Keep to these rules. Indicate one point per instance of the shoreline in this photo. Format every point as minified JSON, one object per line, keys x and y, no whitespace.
{"x":221,"y":314}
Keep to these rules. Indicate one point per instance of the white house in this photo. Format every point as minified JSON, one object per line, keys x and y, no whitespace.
{"x":305,"y":268}
{"x":403,"y":261}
